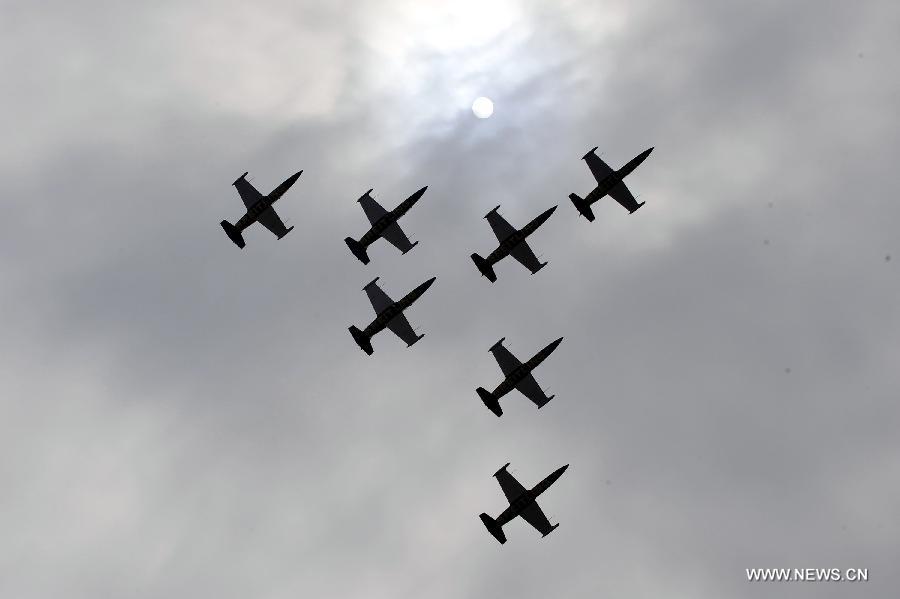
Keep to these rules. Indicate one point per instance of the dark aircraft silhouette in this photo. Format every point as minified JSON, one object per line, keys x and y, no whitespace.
{"x":512,"y":243}
{"x":517,"y":376}
{"x":390,"y":315}
{"x":259,"y":209}
{"x":522,"y":502}
{"x":384,"y":224}
{"x":608,"y":182}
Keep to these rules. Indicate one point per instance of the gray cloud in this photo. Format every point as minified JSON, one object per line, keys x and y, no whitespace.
{"x":181,"y":418}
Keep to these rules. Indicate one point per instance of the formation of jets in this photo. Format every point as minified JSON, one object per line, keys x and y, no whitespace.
{"x":390,"y":314}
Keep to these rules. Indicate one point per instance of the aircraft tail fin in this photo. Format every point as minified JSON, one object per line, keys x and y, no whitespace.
{"x":233,"y":234}
{"x":362,"y":340}
{"x":358,"y":250}
{"x":494,"y":528}
{"x":484,"y":267}
{"x":584,"y":209}
{"x":492,"y":403}
{"x":552,"y":528}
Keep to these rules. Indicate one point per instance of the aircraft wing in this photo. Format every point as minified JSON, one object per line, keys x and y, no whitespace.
{"x":534,"y":516}
{"x":530,"y":389}
{"x":511,"y":487}
{"x":599,"y":169}
{"x":377,"y":297}
{"x":270,"y":220}
{"x":373,"y":209}
{"x":502,"y":229}
{"x":621,"y":194}
{"x":247,"y":192}
{"x":401,"y":327}
{"x":395,"y":235}
{"x":522,"y":252}
{"x":505,"y":359}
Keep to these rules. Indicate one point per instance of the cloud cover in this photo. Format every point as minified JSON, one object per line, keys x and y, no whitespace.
{"x":181,"y":419}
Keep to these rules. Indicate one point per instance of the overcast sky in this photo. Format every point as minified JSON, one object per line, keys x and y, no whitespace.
{"x":180,"y":418}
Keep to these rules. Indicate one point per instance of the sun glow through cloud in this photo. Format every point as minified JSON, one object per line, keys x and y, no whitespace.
{"x":435,"y":61}
{"x":483,"y":107}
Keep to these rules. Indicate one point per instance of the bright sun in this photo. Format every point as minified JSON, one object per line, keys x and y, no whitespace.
{"x":483,"y":107}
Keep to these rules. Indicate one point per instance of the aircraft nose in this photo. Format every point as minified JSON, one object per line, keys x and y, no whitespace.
{"x":559,"y":472}
{"x":292,"y":179}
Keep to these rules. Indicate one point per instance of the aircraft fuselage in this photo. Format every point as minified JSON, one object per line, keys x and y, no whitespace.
{"x":520,"y":503}
{"x":523,"y":370}
{"x":614,"y":178}
{"x":253,"y":213}
{"x":266,"y":202}
{"x":507,"y":245}
{"x":380,"y":225}
{"x":388,"y":314}
{"x":384,"y":317}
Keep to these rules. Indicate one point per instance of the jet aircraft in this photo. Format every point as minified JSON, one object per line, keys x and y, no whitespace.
{"x":512,"y":243}
{"x":384,"y":224}
{"x":608,"y":182}
{"x":389,"y":315}
{"x":517,"y":376}
{"x":259,"y":209}
{"x":522,"y":502}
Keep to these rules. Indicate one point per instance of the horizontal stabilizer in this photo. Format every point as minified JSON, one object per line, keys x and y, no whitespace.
{"x":357,"y":249}
{"x":582,"y":206}
{"x":484,"y":268}
{"x":492,"y":403}
{"x":233,"y":234}
{"x":364,"y":342}
{"x":493,"y":528}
